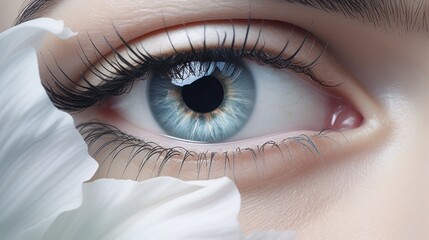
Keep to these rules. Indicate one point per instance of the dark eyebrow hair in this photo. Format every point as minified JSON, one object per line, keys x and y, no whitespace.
{"x":32,"y":9}
{"x":408,"y":15}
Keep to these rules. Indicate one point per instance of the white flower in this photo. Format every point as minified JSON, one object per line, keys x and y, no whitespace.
{"x":43,"y":160}
{"x":44,"y":163}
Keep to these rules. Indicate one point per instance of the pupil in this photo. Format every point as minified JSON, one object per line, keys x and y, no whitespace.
{"x":204,"y":95}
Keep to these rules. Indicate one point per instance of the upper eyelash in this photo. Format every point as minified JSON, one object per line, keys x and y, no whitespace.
{"x":80,"y":97}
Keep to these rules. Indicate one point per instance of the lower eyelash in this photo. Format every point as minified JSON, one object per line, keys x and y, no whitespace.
{"x":118,"y":141}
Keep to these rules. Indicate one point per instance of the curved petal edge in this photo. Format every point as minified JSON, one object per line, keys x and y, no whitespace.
{"x":43,"y":158}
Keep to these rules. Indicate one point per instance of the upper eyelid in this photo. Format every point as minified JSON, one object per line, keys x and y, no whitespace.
{"x":137,"y":25}
{"x":136,"y":54}
{"x":120,"y":61}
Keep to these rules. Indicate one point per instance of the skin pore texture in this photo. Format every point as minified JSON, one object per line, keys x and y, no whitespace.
{"x":370,"y":181}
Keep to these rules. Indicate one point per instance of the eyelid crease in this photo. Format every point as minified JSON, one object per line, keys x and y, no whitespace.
{"x":115,"y":76}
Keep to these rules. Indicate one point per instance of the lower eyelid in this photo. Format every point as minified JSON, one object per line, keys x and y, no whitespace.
{"x":123,"y":156}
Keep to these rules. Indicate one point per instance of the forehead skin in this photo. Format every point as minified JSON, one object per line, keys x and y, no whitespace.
{"x":404,"y":14}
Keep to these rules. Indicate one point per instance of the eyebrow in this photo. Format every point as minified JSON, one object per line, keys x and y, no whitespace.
{"x":32,"y":9}
{"x":404,"y":14}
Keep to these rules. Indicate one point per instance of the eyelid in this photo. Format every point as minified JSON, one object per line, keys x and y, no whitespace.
{"x":241,"y":35}
{"x":150,"y":158}
{"x":310,"y":140}
{"x":287,"y":47}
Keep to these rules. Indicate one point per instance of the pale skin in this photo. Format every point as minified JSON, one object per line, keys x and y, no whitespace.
{"x":372,"y":183}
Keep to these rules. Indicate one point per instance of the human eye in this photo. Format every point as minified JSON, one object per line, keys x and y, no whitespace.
{"x":208,"y":99}
{"x":219,"y":92}
{"x":336,"y":131}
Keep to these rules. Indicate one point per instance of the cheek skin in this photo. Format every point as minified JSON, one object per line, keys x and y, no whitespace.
{"x":378,"y":187}
{"x":394,"y":69}
{"x":373,"y":190}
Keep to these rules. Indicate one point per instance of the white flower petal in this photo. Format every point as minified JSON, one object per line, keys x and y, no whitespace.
{"x":272,"y":236}
{"x":160,"y":208}
{"x":43,"y":159}
{"x":29,"y":35}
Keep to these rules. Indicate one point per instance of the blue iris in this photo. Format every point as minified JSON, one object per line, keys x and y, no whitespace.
{"x":211,"y":105}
